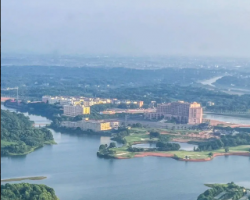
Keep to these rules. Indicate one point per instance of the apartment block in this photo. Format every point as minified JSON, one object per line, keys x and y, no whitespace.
{"x":74,"y":110}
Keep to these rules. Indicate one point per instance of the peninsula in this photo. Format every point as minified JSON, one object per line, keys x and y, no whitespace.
{"x":166,"y":145}
{"x":19,"y":137}
{"x":24,"y":178}
{"x":225,"y":191}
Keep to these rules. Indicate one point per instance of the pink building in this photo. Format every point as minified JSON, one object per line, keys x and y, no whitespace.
{"x":182,"y":111}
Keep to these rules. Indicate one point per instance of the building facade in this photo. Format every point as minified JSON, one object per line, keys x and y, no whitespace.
{"x":94,"y":125}
{"x":74,"y":110}
{"x":181,"y":111}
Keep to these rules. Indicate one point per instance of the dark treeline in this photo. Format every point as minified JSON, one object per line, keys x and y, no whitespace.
{"x":18,"y":136}
{"x":163,"y":143}
{"x":225,"y":141}
{"x":120,"y":134}
{"x":161,"y":85}
{"x":26,"y":191}
{"x":107,"y":151}
{"x":237,"y":81}
{"x":89,"y":76}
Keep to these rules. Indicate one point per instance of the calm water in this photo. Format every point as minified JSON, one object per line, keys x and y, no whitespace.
{"x":231,"y":119}
{"x":184,"y":146}
{"x":76,"y":173}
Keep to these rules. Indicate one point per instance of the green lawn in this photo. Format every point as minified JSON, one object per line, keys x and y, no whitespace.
{"x":139,"y":135}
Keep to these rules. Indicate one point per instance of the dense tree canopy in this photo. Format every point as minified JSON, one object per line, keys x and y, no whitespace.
{"x":18,"y":136}
{"x":26,"y":191}
{"x":230,"y":191}
{"x":225,"y":141}
{"x":162,"y":85}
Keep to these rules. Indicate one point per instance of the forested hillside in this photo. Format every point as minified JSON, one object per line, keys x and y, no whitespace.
{"x":19,"y":137}
{"x":25,"y":191}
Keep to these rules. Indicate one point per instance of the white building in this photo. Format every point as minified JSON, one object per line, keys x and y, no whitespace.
{"x":114,"y":124}
{"x":94,"y":125}
{"x":50,"y":100}
{"x":74,"y":110}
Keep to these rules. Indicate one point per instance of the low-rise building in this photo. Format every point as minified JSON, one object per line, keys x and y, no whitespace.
{"x":210,"y":103}
{"x":95,"y":125}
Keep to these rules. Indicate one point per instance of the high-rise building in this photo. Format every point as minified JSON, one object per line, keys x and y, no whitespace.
{"x":181,"y":111}
{"x":195,"y":113}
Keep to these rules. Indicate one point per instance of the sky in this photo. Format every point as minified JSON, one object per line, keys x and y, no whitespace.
{"x":127,"y":27}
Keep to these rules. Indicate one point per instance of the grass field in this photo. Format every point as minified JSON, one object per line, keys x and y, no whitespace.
{"x":144,"y":138}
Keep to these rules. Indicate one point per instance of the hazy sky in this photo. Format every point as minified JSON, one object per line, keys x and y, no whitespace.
{"x":127,"y":27}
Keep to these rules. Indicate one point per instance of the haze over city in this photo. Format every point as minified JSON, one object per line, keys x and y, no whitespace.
{"x":163,"y":27}
{"x":132,"y":99}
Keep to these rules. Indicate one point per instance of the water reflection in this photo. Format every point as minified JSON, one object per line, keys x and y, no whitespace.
{"x":184,"y":146}
{"x":230,"y":119}
{"x":75,"y":172}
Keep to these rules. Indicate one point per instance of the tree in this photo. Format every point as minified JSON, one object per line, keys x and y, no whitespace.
{"x":112,"y":145}
{"x":102,"y":147}
{"x":226,"y":149}
{"x":77,"y":118}
{"x":210,"y":154}
{"x":154,"y":134}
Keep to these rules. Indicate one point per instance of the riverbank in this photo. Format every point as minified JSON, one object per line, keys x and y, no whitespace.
{"x":213,"y":122}
{"x":225,"y":191}
{"x":181,"y":155}
{"x":245,"y":115}
{"x":24,"y":178}
{"x":31,"y":149}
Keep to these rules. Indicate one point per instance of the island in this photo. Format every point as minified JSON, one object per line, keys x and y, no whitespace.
{"x":167,"y":144}
{"x":19,"y":137}
{"x":24,"y":191}
{"x":225,"y":191}
{"x":24,"y":178}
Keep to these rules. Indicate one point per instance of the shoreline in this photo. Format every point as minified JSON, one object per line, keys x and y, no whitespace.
{"x":245,"y":115}
{"x":51,"y":142}
{"x":145,"y":154}
{"x":24,"y":178}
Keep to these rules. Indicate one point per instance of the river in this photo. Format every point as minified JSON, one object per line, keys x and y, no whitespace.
{"x":210,"y":81}
{"x":76,"y":173}
{"x":225,"y":118}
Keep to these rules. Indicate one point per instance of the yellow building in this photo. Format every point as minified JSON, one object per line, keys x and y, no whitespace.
{"x":86,"y":110}
{"x":104,"y":126}
{"x":76,"y":103}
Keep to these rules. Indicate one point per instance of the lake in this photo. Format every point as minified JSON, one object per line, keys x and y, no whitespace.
{"x":76,"y":173}
{"x":184,"y":146}
{"x":225,"y":118}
